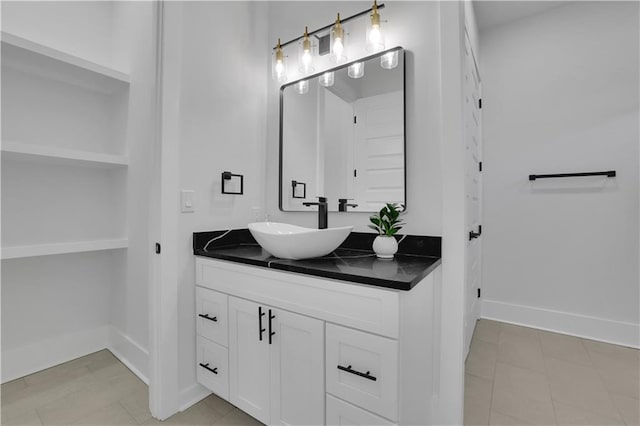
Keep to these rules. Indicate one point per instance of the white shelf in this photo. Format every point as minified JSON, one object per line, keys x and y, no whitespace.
{"x":53,"y":155}
{"x":62,"y":248}
{"x":40,"y":59}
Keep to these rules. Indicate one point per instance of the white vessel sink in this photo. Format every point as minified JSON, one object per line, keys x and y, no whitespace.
{"x":296,"y":242}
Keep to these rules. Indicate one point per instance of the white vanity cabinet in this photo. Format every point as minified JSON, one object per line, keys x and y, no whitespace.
{"x":311,"y":351}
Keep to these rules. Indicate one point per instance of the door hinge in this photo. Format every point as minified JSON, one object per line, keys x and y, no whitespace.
{"x":480,"y":103}
{"x":480,"y":229}
{"x":355,"y":119}
{"x":479,"y":291}
{"x":158,"y":248}
{"x":480,"y":166}
{"x":355,"y":173}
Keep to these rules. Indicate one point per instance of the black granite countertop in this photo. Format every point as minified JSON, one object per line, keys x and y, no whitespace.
{"x":353,"y":261}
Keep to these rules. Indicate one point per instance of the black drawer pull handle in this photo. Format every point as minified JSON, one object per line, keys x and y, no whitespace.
{"x":206,"y":316}
{"x":271,"y":333}
{"x":366,"y":375}
{"x":206,"y":367}
{"x":260,"y":329}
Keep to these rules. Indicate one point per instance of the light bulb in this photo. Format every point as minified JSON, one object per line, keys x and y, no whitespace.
{"x":326,"y":79}
{"x":338,"y":47}
{"x":337,"y":43}
{"x":356,"y":70}
{"x":374,"y":35}
{"x":279,"y":69}
{"x":305,"y":63}
{"x":375,"y":42}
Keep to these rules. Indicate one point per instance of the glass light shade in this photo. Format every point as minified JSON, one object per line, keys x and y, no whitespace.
{"x":356,"y":70}
{"x":279,"y":65}
{"x":338,"y":53}
{"x":306,"y":53}
{"x":389,"y":60}
{"x":326,"y":79}
{"x":301,"y":87}
{"x":375,"y":41}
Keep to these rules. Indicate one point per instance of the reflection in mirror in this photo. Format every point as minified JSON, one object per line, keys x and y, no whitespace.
{"x":342,"y":135}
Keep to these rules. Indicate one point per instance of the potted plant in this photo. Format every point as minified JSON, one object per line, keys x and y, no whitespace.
{"x":387,"y":222}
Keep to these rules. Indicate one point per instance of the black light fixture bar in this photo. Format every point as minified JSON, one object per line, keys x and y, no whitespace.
{"x":326,"y":27}
{"x":610,"y":173}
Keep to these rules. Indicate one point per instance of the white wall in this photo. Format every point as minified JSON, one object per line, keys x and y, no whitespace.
{"x":222,"y":113}
{"x":561,"y":95}
{"x":58,"y":24}
{"x":412,"y":25}
{"x":133,"y":46}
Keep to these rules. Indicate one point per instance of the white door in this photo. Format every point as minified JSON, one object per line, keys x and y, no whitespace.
{"x":473,"y":189}
{"x":378,"y":151}
{"x":297,"y":369}
{"x":249,"y":369}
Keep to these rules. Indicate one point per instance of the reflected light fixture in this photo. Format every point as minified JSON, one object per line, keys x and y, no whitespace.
{"x":305,"y":62}
{"x":301,"y":87}
{"x":389,"y":60}
{"x":375,"y":41}
{"x":337,"y":43}
{"x":279,"y":66}
{"x":326,"y":79}
{"x":356,"y":70}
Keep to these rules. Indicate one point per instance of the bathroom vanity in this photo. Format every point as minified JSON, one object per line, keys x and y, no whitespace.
{"x":343,"y":339}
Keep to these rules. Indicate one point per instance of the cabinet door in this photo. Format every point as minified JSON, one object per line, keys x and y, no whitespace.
{"x":297,"y":368}
{"x":249,"y":358}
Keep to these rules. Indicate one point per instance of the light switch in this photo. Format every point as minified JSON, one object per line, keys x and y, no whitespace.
{"x":187,"y":197}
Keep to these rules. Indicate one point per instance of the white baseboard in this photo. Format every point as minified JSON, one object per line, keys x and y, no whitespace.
{"x":130,"y":353}
{"x":191,"y":395}
{"x":616,"y":332}
{"x":28,"y":359}
{"x":24,"y":360}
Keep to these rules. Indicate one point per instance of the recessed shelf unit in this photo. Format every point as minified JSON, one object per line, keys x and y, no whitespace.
{"x":62,"y":156}
{"x":36,"y":58}
{"x":35,"y":250}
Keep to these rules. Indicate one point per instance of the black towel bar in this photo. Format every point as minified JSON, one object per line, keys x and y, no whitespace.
{"x":610,"y":173}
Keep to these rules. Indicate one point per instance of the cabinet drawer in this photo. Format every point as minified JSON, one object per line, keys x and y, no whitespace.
{"x":363,"y":369}
{"x":211,"y":315}
{"x":340,"y":413}
{"x":213,"y":367}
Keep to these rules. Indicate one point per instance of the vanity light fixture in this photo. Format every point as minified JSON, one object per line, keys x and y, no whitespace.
{"x":305,"y":62}
{"x":302,"y":87}
{"x":356,"y":70}
{"x":389,"y":60}
{"x":326,"y":79}
{"x":337,"y":48}
{"x":279,"y":66}
{"x":337,"y":43}
{"x":375,"y":41}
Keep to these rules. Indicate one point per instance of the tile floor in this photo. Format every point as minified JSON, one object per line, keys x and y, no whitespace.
{"x":514,"y":376}
{"x":99,"y":390}
{"x":522,"y":376}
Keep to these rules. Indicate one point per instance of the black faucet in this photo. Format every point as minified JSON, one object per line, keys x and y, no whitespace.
{"x":323,"y":211}
{"x":342,"y":204}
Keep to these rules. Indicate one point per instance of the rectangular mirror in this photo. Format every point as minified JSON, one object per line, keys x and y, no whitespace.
{"x":343,"y":136}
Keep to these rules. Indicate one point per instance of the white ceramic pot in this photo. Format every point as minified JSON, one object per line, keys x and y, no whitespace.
{"x":385,"y":247}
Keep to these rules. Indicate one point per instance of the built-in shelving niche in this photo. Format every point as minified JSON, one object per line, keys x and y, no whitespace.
{"x":64,"y":155}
